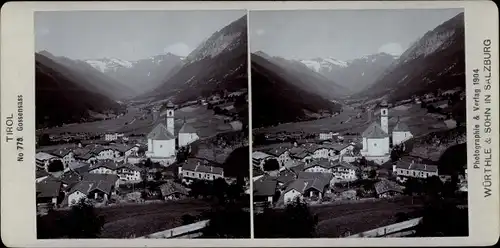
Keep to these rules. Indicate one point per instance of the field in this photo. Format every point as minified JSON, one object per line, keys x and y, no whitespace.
{"x":413,"y":115}
{"x":337,"y":220}
{"x":143,"y":219}
{"x":98,"y":127}
{"x":201,"y":118}
{"x":332,"y":124}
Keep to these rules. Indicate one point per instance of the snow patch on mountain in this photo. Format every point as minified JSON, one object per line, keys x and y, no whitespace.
{"x":324,"y":64}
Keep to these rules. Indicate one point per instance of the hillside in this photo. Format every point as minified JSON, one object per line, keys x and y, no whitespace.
{"x":356,"y":74}
{"x":92,"y":79}
{"x":219,"y":63}
{"x":306,"y":78}
{"x":276,"y":98}
{"x":143,"y":75}
{"x":436,"y":61}
{"x":61,"y":98}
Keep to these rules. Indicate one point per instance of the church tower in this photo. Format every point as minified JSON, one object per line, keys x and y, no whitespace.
{"x":170,"y":118}
{"x":384,"y":116}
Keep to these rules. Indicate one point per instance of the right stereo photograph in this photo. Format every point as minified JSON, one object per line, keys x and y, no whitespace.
{"x":358,"y":123}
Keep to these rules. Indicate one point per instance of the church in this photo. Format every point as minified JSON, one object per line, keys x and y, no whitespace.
{"x":377,"y":140}
{"x":164,"y":139}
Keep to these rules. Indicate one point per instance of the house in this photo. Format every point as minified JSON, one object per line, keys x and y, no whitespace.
{"x":161,"y":140}
{"x":319,"y":165}
{"x":404,"y":169}
{"x":123,"y":150}
{"x":69,"y":179}
{"x":306,"y":188}
{"x":111,"y":136}
{"x":387,"y":189}
{"x":400,"y":133}
{"x":49,"y":192}
{"x":323,"y":151}
{"x":128,"y":173}
{"x":107,"y":166}
{"x":85,"y":155}
{"x":343,"y":171}
{"x":102,"y":152}
{"x":300,"y":154}
{"x":43,"y":159}
{"x":100,"y":190}
{"x":65,"y":154}
{"x":327,"y":136}
{"x":258,"y":158}
{"x":294,"y":190}
{"x":280,"y":152}
{"x":194,"y":169}
{"x":264,"y":190}
{"x":285,"y":176}
{"x":173,"y":191}
{"x":187,"y":135}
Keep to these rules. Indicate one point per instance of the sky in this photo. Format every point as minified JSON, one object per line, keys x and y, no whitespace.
{"x":341,"y":34}
{"x":127,"y":35}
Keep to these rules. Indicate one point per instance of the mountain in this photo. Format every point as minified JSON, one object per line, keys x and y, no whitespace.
{"x":279,"y":97}
{"x":219,"y":63}
{"x":435,"y":61}
{"x":61,"y":97}
{"x":355,"y":74}
{"x":93,"y":79}
{"x":142,"y":75}
{"x":308,"y":79}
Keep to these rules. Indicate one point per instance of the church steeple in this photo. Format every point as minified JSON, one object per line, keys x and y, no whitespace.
{"x":170,"y":117}
{"x":384,"y":116}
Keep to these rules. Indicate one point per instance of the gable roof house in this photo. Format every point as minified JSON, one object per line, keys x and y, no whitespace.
{"x":196,"y":169}
{"x":172,"y":190}
{"x":107,"y":166}
{"x":404,"y":169}
{"x":49,"y":192}
{"x":264,"y":190}
{"x":386,"y":188}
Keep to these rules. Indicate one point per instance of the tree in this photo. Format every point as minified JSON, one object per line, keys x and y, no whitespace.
{"x":56,"y":165}
{"x":188,"y":219}
{"x":219,"y":189}
{"x":148,"y":163}
{"x":443,"y":218}
{"x":359,"y":174}
{"x":300,"y":221}
{"x":373,"y":174}
{"x":158,"y":176}
{"x":271,"y":165}
{"x":433,"y":186}
{"x":235,"y":191}
{"x":83,"y":221}
{"x":44,"y":140}
{"x":228,"y":222}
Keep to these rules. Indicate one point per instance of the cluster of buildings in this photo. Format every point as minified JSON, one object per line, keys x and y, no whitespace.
{"x":312,"y":170}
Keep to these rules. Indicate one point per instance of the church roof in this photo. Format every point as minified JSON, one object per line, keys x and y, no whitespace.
{"x":374,"y":131}
{"x":401,"y":127}
{"x":187,"y":128}
{"x":160,"y":132}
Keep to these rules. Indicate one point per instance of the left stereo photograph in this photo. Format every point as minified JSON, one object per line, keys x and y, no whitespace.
{"x":142,"y":124}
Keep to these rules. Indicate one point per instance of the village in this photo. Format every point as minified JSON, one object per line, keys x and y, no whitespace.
{"x":388,"y":160}
{"x":166,"y":164}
